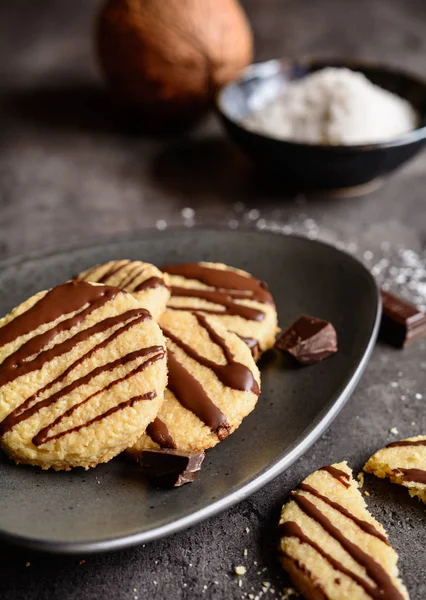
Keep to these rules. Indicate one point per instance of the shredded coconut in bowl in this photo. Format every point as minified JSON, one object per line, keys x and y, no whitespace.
{"x":334,"y":106}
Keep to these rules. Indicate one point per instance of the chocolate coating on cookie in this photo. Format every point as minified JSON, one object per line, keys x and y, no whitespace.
{"x":241,"y":302}
{"x":404,"y":463}
{"x":143,"y":280}
{"x":329,"y":541}
{"x":73,"y":362}
{"x":213,"y":384}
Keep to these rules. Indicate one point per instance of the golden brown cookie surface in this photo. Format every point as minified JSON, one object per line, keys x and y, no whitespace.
{"x":82,"y":372}
{"x":239,"y":301}
{"x":143,"y":280}
{"x":213,"y":384}
{"x":404,"y":463}
{"x":330,"y":544}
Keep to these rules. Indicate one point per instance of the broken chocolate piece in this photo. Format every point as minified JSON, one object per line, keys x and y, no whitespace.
{"x":309,"y":340}
{"x":402,"y":323}
{"x":169,"y":467}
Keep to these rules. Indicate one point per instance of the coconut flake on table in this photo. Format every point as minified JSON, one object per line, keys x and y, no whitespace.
{"x":395,"y":268}
{"x":334,"y":106}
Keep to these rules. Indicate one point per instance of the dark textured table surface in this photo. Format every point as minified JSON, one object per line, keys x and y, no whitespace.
{"x":70,"y":171}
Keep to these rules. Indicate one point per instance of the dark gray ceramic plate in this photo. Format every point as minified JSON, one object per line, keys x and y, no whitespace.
{"x":112,"y":506}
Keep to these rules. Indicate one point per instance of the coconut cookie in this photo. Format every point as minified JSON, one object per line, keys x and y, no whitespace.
{"x":143,"y":280}
{"x":330,"y":544}
{"x":82,"y":373}
{"x":213,"y":384}
{"x":404,"y":463}
{"x":239,"y":301}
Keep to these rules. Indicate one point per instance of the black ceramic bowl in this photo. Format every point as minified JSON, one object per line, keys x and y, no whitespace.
{"x":314,"y":166}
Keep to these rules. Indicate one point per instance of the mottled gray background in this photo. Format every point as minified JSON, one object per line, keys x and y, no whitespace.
{"x":71,"y":169}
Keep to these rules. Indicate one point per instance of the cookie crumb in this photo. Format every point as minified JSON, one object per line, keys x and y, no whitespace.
{"x":240,"y":583}
{"x":289,"y":593}
{"x":28,"y":564}
{"x":360,"y":478}
{"x":366,"y":493}
{"x":82,"y":561}
{"x":394,"y":431}
{"x":240,"y":570}
{"x":247,"y":530}
{"x":245,"y":552}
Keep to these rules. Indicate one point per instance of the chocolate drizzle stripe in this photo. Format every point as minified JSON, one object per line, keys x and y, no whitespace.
{"x":253,"y":344}
{"x":215,"y":338}
{"x":407,"y":443}
{"x":62,"y":300}
{"x":192,"y":396}
{"x":17,"y":364}
{"x":113,"y":270}
{"x":9,"y":421}
{"x":28,"y":409}
{"x":222,"y":280}
{"x":132,"y":276}
{"x":341,"y":476}
{"x":233,"y":374}
{"x":158,"y":432}
{"x":385,"y":586}
{"x":364,"y":525}
{"x":42,"y":436}
{"x":307,"y":573}
{"x":411,"y":475}
{"x":290,"y":529}
{"x":149,"y":284}
{"x":216,"y":297}
{"x":227,"y":287}
{"x":86,"y":275}
{"x":109,"y":412}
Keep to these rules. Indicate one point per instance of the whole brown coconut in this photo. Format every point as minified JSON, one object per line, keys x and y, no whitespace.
{"x":169,"y":57}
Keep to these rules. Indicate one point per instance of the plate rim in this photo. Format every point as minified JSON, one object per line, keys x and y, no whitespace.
{"x":306,"y":439}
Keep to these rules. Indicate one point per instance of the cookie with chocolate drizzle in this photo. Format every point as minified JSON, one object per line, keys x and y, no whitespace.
{"x":82,"y":372}
{"x":330,"y":544}
{"x":404,"y":463}
{"x":213,"y":384}
{"x":147,"y":283}
{"x":240,"y":302}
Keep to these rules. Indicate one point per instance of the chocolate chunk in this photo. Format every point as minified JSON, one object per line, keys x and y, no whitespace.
{"x":402,"y":323}
{"x":309,"y":340}
{"x":169,"y":467}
